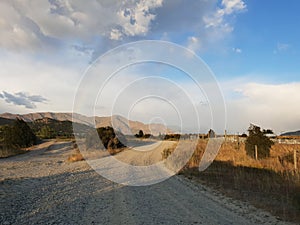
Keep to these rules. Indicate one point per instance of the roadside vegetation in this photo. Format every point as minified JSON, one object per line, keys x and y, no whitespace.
{"x":256,"y":170}
{"x":15,"y":138}
{"x":76,"y":156}
{"x":166,"y":152}
{"x":269,"y":182}
{"x":257,"y":144}
{"x":110,"y":140}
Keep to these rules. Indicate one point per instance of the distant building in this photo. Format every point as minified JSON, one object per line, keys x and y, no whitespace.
{"x":271,"y":135}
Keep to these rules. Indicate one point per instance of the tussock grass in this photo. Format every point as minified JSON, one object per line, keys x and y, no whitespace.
{"x":77,"y":156}
{"x":166,"y":152}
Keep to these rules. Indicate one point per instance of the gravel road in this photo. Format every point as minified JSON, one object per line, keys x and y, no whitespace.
{"x":41,"y":187}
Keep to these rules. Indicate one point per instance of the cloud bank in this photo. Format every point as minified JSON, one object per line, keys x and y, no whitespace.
{"x":23,"y":99}
{"x":273,"y":106}
{"x":39,"y":24}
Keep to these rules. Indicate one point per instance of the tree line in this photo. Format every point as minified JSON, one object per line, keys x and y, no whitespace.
{"x":20,"y":135}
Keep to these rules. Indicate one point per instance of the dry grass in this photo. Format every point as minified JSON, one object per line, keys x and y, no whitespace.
{"x":115,"y":151}
{"x":77,"y":156}
{"x":271,"y":184}
{"x":166,"y":152}
{"x":280,"y":160}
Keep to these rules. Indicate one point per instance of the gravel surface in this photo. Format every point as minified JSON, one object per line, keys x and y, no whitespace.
{"x":41,"y":187}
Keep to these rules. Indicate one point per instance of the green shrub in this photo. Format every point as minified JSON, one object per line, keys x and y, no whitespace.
{"x":257,"y":138}
{"x":140,"y":134}
{"x":109,"y":139}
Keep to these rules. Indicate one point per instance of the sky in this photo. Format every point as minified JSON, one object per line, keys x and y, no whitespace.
{"x":251,"y":47}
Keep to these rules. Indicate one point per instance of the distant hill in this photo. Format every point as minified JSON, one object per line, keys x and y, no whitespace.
{"x":292,"y":133}
{"x":30,"y":117}
{"x":118,"y":122}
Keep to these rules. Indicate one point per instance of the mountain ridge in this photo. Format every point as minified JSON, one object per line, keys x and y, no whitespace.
{"x":120,"y":123}
{"x":291,"y":133}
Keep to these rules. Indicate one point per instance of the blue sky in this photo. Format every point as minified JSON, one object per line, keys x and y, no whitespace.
{"x":268,"y":36}
{"x":251,"y":46}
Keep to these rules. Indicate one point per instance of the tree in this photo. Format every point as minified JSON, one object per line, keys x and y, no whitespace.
{"x":268,"y":131}
{"x":172,"y":137}
{"x":140,"y":134}
{"x":19,"y":135}
{"x":46,"y":132}
{"x":114,"y":143}
{"x":244,"y":135}
{"x":258,"y":138}
{"x":108,"y":138}
{"x":147,"y":136}
{"x":105,"y":135}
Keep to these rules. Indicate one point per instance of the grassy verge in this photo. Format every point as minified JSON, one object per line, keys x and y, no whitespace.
{"x":270,"y":184}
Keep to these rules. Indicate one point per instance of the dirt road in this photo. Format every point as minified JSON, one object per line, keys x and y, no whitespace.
{"x":40,"y":187}
{"x":145,"y":154}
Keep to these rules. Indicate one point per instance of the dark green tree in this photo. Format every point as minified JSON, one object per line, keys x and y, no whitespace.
{"x":108,"y":138}
{"x":268,"y":131}
{"x":140,"y":134}
{"x":19,"y":135}
{"x":106,"y":134}
{"x":258,"y":138}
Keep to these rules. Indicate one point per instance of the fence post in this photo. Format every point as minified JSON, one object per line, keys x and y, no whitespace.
{"x":256,"y":154}
{"x":238,"y":141}
{"x":295,"y":159}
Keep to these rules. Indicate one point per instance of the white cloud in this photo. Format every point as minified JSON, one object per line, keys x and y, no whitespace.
{"x":33,"y":25}
{"x":269,"y":105}
{"x":152,"y":97}
{"x":16,"y":31}
{"x":23,"y":99}
{"x":281,"y":47}
{"x":115,"y":34}
{"x":193,"y":43}
{"x":231,"y":6}
{"x":135,"y":19}
{"x":30,"y":23}
{"x":217,"y":19}
{"x":237,"y":50}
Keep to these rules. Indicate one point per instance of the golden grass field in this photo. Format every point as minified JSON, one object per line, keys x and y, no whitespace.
{"x":271,"y":184}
